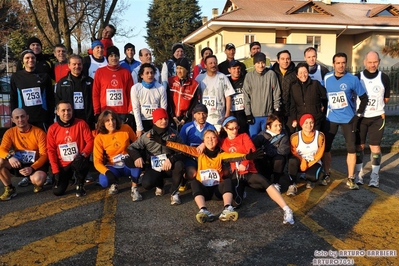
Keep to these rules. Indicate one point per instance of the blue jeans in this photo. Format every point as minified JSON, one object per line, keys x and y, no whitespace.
{"x":258,"y":126}
{"x":119,"y":172}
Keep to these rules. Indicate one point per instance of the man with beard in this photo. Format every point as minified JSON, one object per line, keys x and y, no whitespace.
{"x":43,"y":62}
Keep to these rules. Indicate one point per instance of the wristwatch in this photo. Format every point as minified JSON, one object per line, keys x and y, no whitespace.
{"x":359,"y":115}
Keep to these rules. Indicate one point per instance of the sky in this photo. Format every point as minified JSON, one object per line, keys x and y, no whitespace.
{"x":137,"y":14}
{"x":140,"y":9}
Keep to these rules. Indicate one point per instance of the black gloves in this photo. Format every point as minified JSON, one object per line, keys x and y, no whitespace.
{"x":128,"y":160}
{"x":80,"y":163}
{"x":355,"y":123}
{"x":258,"y":154}
{"x":158,"y":139}
{"x":250,"y":119}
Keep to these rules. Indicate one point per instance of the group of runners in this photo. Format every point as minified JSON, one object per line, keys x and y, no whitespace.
{"x":219,"y":128}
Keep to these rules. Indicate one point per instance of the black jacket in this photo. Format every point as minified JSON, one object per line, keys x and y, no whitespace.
{"x":308,"y":98}
{"x":285,"y":85}
{"x":65,"y":91}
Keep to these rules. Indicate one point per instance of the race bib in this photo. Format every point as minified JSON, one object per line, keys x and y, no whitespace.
{"x":114,"y":97}
{"x":337,"y":100}
{"x":237,"y":102}
{"x":210,"y":177}
{"x":118,"y":160}
{"x":25,"y":157}
{"x":78,"y":100}
{"x":68,"y":151}
{"x":210,"y":102}
{"x":372,"y":104}
{"x":32,"y":96}
{"x":147,"y":109}
{"x":158,"y":161}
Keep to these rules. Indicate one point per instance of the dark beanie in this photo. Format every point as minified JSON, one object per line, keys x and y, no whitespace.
{"x":28,"y":51}
{"x":32,"y":40}
{"x":259,"y":56}
{"x":112,"y":50}
{"x":177,"y":46}
{"x":183,"y":62}
{"x":200,"y":108}
{"x":129,"y":45}
{"x":253,"y":44}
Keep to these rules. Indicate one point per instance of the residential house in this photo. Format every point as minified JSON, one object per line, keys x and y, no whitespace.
{"x":353,"y":28}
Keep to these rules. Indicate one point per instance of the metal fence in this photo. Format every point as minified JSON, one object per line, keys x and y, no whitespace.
{"x":393,"y":74}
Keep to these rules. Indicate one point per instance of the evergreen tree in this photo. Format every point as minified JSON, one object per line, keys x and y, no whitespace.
{"x":169,"y":22}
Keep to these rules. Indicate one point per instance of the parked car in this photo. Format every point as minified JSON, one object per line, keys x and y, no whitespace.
{"x":5,"y":112}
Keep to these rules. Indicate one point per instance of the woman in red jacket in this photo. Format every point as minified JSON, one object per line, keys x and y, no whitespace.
{"x":244,"y":172}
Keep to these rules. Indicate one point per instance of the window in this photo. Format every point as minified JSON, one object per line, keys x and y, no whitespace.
{"x":216,"y":45}
{"x":384,"y":13}
{"x":314,"y":41}
{"x":249,"y":38}
{"x":391,"y":41}
{"x":307,"y":9}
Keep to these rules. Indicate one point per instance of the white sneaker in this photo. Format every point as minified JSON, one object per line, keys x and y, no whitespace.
{"x":374,"y":180}
{"x":277,"y":186}
{"x":309,"y":185}
{"x":228,"y":214}
{"x":175,"y":199}
{"x":204,"y":216}
{"x":292,"y":190}
{"x":113,"y":189}
{"x":136,"y":196}
{"x":359,"y":177}
{"x":158,"y":191}
{"x":288,"y":217}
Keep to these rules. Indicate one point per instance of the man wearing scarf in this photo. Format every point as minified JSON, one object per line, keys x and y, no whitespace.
{"x":69,"y":145}
{"x":164,"y":162}
{"x":111,"y":88}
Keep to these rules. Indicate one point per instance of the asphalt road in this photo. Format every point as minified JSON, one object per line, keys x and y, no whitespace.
{"x":101,"y":229}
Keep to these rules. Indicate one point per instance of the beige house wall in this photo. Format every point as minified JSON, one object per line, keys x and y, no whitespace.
{"x":355,"y":46}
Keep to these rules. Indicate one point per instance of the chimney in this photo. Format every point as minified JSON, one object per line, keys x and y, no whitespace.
{"x":204,"y":20}
{"x":215,"y":12}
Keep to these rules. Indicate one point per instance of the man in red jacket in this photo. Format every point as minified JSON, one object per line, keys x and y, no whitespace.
{"x":111,"y":88}
{"x":69,"y":145}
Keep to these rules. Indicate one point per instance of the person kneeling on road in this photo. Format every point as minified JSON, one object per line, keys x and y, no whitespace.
{"x":111,"y":142}
{"x":307,"y":148}
{"x":164,"y":161}
{"x":69,"y":145}
{"x":29,"y":157}
{"x":209,"y":180}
